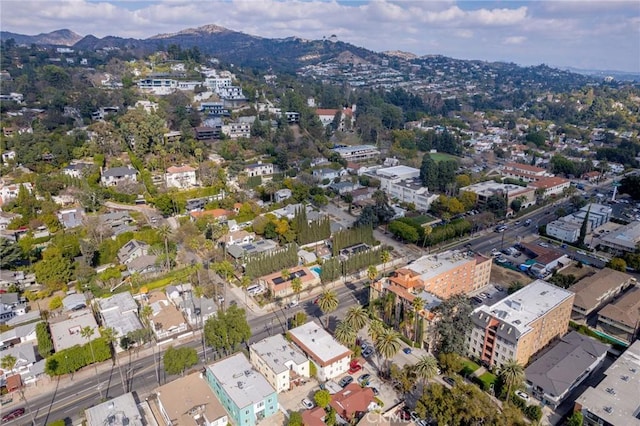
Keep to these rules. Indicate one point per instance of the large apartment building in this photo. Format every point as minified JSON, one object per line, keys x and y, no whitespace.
{"x":452,"y":272}
{"x":518,"y":326}
{"x":524,"y":172}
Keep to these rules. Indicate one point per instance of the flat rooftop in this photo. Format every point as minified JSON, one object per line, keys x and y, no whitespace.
{"x":278,"y":353}
{"x":490,"y":187}
{"x":398,"y":171}
{"x":188,"y":396}
{"x":318,"y":344}
{"x":120,"y":301}
{"x":432,"y":265}
{"x":526,"y":305}
{"x":66,"y":334}
{"x":615,"y":399}
{"x":244,"y":385}
{"x":627,"y":236}
{"x":119,"y":411}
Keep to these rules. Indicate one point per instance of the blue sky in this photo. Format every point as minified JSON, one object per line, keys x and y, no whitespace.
{"x":593,"y":34}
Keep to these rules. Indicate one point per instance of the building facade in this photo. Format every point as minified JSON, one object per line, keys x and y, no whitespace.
{"x":520,"y":325}
{"x":281,"y":363}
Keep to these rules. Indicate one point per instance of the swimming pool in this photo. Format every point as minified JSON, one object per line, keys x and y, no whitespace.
{"x":316,"y":270}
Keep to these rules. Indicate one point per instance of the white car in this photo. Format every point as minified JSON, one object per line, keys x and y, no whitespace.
{"x":582,"y":252}
{"x":522,"y":395}
{"x":306,"y":403}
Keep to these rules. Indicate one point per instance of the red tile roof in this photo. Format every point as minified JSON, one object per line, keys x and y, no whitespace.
{"x":331,"y":112}
{"x":352,"y":400}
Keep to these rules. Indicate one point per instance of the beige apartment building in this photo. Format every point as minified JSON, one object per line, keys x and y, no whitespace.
{"x":518,"y":326}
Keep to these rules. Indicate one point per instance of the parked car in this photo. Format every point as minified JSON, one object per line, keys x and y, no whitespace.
{"x":18,"y":412}
{"x":407,"y":351}
{"x":499,"y":288}
{"x":376,"y":392}
{"x":306,"y":403}
{"x":543,"y":245}
{"x":449,"y":381}
{"x":364,"y":346}
{"x":522,"y":395}
{"x":476,"y":299}
{"x":291,"y":304}
{"x":345,"y":381}
{"x":355,"y":368}
{"x":405,"y":414}
{"x":367,"y":352}
{"x":582,"y":252}
{"x":364,"y":379}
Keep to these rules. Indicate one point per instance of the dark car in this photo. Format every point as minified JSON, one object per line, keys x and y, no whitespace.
{"x":345,"y":381}
{"x":18,"y":412}
{"x":407,"y":351}
{"x":449,"y":381}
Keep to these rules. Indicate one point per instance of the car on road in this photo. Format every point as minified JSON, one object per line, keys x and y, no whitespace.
{"x":481,"y":296}
{"x":582,"y":252}
{"x":407,"y":351}
{"x":376,"y":392}
{"x":18,"y":412}
{"x":527,"y":222}
{"x":345,"y":381}
{"x":449,"y":381}
{"x":367,"y":352}
{"x":291,"y":304}
{"x":364,"y":379}
{"x":522,"y":395}
{"x":306,"y":403}
{"x":545,"y":245}
{"x":499,"y":288}
{"x":517,"y":222}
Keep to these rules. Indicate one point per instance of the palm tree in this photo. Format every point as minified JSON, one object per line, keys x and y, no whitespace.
{"x":512,"y":375}
{"x":164,"y":232}
{"x":385,"y":256}
{"x":145,"y":316}
{"x":109,"y":335}
{"x":417,"y":304}
{"x":372,"y":273}
{"x":357,"y":317}
{"x":296,"y":286}
{"x":87,"y":332}
{"x":376,"y":328}
{"x":426,"y":368}
{"x":388,"y":304}
{"x":244,"y":283}
{"x":286,"y":274}
{"x":328,"y":302}
{"x":345,"y":334}
{"x":387,"y":345}
{"x":426,"y":230}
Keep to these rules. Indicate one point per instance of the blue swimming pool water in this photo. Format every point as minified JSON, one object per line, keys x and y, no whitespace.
{"x":316,"y":270}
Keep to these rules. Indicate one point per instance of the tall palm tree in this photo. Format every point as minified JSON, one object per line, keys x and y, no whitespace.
{"x":296,"y":286}
{"x":385,"y":256}
{"x":109,"y":335}
{"x":376,"y":328}
{"x":146,"y":314}
{"x":345,"y":334}
{"x":357,"y":317}
{"x":426,"y":230}
{"x":286,"y":274}
{"x":417,"y":305}
{"x":426,"y":368}
{"x":244,"y":283}
{"x":164,"y":232}
{"x":512,"y":375}
{"x":372,"y":273}
{"x":328,"y":302}
{"x":387,"y":345}
{"x":87,"y":332}
{"x":387,"y":306}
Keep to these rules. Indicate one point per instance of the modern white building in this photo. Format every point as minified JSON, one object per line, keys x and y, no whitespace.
{"x":67,"y":333}
{"x":116,"y":175}
{"x":279,"y":362}
{"x":358,"y":152}
{"x":237,"y":130}
{"x":121,"y":410}
{"x":402,"y":183}
{"x":330,"y":358}
{"x":622,"y":240}
{"x":259,"y":169}
{"x":568,"y":227}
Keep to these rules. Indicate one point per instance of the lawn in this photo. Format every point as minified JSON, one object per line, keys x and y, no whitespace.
{"x":441,"y":156}
{"x":487,"y":380}
{"x":468,"y":367}
{"x":422,"y":219}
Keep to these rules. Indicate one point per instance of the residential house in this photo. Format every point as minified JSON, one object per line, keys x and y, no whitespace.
{"x":220,"y":215}
{"x":562,"y":368}
{"x":614,"y":400}
{"x":6,"y":218}
{"x":166,"y":319}
{"x":16,"y":277}
{"x":596,"y":290}
{"x":279,"y":287}
{"x":189,"y":401}
{"x":244,"y":393}
{"x":132,"y":250}
{"x":206,"y":133}
{"x":145,"y":264}
{"x":520,"y":325}
{"x":593,"y":176}
{"x":20,"y":334}
{"x":9,"y":191}
{"x":117,"y":222}
{"x":8,"y":157}
{"x":119,"y":411}
{"x":567,"y":228}
{"x":236,"y":130}
{"x":120,"y":313}
{"x":74,"y":302}
{"x":77,"y":170}
{"x":181,"y":177}
{"x":173,"y":137}
{"x":241,"y":251}
{"x":71,"y":218}
{"x":621,"y":318}
{"x":117,"y":175}
{"x":353,"y":402}
{"x":343,"y":187}
{"x":282,"y":194}
{"x":328,"y":174}
{"x":452,"y":272}
{"x":67,"y":333}
{"x":524,"y":172}
{"x":237,"y":238}
{"x":259,"y":169}
{"x":281,"y":363}
{"x":622,"y":240}
{"x":11,"y":305}
{"x":330,"y":358}
{"x":550,"y":186}
{"x":314,"y":417}
{"x":487,"y":189}
{"x":179,"y":291}
{"x":197,"y":310}
{"x":358,"y":153}
{"x":26,"y":364}
{"x":546,"y":259}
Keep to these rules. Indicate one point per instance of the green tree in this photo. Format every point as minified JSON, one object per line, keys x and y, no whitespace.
{"x":164,"y":232}
{"x":55,"y":269}
{"x":296,"y":286}
{"x":322,"y":398}
{"x":227,"y":330}
{"x":385,"y":256}
{"x":328,"y":302}
{"x":584,"y":227}
{"x":618,"y":264}
{"x":426,"y":368}
{"x":387,"y":345}
{"x":455,"y":323}
{"x":344,"y":334}
{"x":450,"y":362}
{"x":372,"y":272}
{"x":576,"y":419}
{"x":176,"y":361}
{"x":356,"y":317}
{"x":8,"y":362}
{"x":87,"y":333}
{"x":43,"y":337}
{"x":295,"y":418}
{"x":55,"y":303}
{"x":512,"y":375}
{"x":10,"y":253}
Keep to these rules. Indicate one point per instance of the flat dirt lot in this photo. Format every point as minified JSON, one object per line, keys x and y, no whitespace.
{"x":505,"y":277}
{"x":579,"y":273}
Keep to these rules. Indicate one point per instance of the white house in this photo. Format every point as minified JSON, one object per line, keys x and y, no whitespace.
{"x":182,"y":177}
{"x":116,"y":175}
{"x":236,"y":130}
{"x":11,"y":191}
{"x":330,"y":358}
{"x":279,"y":361}
{"x":8,"y":156}
{"x":259,"y":169}
{"x":282,"y":194}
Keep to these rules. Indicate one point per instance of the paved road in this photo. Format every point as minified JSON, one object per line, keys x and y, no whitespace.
{"x":68,"y":397}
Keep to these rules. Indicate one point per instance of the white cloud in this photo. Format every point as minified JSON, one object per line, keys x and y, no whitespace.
{"x":556,"y":32}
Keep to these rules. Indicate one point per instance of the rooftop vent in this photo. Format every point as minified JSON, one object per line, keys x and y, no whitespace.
{"x":625,"y":378}
{"x":247,"y":372}
{"x":240,"y":385}
{"x":608,"y":409}
{"x":610,"y":391}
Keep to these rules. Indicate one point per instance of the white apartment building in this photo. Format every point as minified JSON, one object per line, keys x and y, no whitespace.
{"x":237,"y":130}
{"x":358,"y":152}
{"x":330,"y":358}
{"x":279,"y":362}
{"x":402,"y":183}
{"x":259,"y":169}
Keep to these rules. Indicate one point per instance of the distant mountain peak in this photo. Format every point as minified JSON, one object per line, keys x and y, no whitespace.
{"x":203,"y":30}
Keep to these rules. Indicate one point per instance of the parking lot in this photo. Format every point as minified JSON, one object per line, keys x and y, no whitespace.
{"x":488,"y":295}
